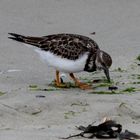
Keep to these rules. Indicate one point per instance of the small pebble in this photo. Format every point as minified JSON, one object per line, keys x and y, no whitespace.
{"x":40,"y":96}
{"x":96,"y":80}
{"x":112,"y":88}
{"x":93,"y":33}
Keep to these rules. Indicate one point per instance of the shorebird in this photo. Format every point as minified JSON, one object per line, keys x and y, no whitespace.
{"x":69,"y":53}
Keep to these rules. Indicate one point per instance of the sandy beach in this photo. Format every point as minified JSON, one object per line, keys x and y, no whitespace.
{"x":32,"y":109}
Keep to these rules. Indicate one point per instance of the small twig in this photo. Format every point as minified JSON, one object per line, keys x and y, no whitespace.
{"x":93,"y":123}
{"x":93,"y":33}
{"x":71,"y":136}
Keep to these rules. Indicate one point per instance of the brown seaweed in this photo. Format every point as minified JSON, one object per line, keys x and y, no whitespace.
{"x":108,"y":129}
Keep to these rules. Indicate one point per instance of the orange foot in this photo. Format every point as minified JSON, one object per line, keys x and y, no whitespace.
{"x":60,"y":85}
{"x":78,"y":83}
{"x":83,"y":86}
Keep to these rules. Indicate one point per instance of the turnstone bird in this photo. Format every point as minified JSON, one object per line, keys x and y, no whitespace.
{"x":69,"y":53}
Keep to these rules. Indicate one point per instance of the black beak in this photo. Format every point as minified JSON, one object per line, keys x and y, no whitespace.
{"x":106,"y":71}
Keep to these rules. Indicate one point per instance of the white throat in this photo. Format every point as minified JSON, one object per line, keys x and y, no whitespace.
{"x":98,"y":61}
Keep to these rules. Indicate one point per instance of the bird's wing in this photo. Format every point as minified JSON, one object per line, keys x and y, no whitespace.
{"x":26,"y":39}
{"x":68,"y":46}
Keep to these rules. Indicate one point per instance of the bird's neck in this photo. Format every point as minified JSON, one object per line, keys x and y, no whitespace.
{"x":90,"y":65}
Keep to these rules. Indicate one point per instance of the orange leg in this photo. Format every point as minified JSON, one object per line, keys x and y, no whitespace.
{"x":78,"y":83}
{"x":57,"y":81}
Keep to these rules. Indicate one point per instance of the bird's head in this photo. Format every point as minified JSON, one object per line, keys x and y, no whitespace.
{"x":103,"y":62}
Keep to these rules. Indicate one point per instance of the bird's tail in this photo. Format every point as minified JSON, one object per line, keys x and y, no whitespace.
{"x":26,"y":39}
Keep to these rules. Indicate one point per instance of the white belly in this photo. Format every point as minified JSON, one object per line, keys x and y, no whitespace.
{"x":63,"y":64}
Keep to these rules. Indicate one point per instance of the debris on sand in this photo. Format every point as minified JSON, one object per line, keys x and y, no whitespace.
{"x":93,"y":33}
{"x":106,"y":130}
{"x":138,"y":57}
{"x":112,"y":88}
{"x":40,"y":96}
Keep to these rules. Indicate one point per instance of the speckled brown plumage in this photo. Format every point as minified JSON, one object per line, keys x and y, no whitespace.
{"x":70,"y":46}
{"x":76,"y":53}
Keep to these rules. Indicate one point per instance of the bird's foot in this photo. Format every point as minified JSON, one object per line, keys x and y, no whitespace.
{"x":79,"y":84}
{"x":83,"y":86}
{"x":60,"y":85}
